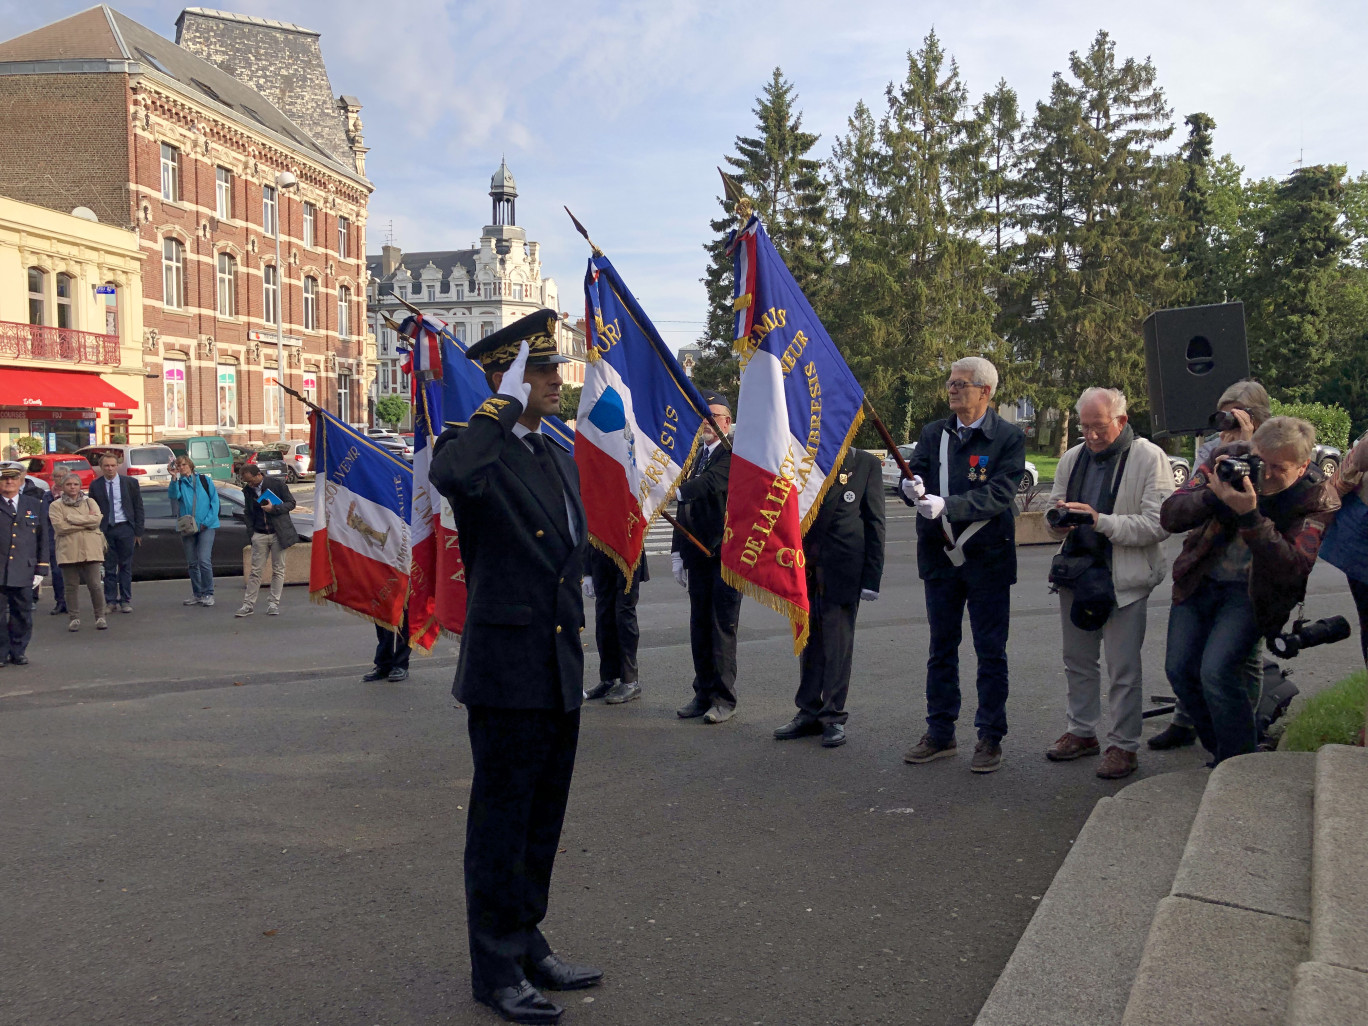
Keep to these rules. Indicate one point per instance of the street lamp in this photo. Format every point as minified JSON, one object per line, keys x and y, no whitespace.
{"x":284,"y":180}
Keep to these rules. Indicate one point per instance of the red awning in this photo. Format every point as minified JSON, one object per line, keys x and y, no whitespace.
{"x":65,"y":390}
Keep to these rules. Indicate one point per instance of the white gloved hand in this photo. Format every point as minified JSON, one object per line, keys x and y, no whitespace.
{"x":912,"y":488}
{"x":37,"y":580}
{"x":587,"y":586}
{"x":868,"y":596}
{"x":512,"y":382}
{"x":931,"y":506}
{"x":677,"y":568}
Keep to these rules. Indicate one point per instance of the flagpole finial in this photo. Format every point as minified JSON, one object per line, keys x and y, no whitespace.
{"x":583,"y":231}
{"x":742,"y":205}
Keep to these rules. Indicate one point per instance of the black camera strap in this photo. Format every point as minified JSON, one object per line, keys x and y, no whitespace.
{"x":1085,"y":538}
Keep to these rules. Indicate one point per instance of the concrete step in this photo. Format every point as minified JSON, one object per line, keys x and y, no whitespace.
{"x":1078,"y":957}
{"x":1226,"y":942}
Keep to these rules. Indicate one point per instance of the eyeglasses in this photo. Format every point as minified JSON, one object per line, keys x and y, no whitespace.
{"x":957,"y":386}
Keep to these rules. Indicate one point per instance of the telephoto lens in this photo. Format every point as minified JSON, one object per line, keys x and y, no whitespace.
{"x":1066,"y":518}
{"x":1234,"y":469}
{"x":1308,"y":634}
{"x":1222,"y":420}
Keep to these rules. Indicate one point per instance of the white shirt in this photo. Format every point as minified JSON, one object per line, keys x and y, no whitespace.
{"x":116,"y":513}
{"x":521,"y":430}
{"x":960,"y":425}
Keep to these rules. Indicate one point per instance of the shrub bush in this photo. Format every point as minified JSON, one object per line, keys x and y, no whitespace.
{"x":30,"y":445}
{"x":1331,"y":422}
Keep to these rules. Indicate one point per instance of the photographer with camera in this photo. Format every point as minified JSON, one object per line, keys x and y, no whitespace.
{"x":1255,"y":520}
{"x":1107,"y":494}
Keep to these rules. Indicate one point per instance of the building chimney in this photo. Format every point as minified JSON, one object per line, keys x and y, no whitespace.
{"x":390,"y":256}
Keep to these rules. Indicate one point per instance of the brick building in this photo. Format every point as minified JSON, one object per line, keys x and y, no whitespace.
{"x":189,"y":144}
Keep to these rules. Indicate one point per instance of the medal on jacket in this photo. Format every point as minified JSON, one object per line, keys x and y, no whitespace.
{"x":844,"y":479}
{"x":975,"y":472}
{"x":848,"y":496}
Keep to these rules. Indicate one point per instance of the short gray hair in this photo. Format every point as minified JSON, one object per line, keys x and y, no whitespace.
{"x":1290,"y":434}
{"x":981,"y":371}
{"x":1113,"y":397}
{"x":60,"y":471}
{"x":1250,"y":396}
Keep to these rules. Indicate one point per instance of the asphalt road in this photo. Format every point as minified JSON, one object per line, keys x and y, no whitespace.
{"x":210,"y":820}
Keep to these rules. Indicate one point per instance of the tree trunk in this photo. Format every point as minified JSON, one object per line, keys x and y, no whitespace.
{"x":1062,"y":443}
{"x":1041,"y":427}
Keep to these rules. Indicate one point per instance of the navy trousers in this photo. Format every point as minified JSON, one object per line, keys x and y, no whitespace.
{"x":990,"y":606}
{"x":118,"y":582}
{"x":16,"y":621}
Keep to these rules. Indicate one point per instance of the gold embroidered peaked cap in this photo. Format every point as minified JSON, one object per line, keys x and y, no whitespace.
{"x":497,"y":352}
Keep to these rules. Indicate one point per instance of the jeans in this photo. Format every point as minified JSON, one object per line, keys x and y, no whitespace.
{"x":262,"y":546}
{"x":118,"y":583}
{"x":1212,"y":636}
{"x":990,"y":607}
{"x":199,"y":558}
{"x":1359,"y":589}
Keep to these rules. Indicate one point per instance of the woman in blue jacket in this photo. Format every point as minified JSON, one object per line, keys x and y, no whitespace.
{"x":194,"y":495}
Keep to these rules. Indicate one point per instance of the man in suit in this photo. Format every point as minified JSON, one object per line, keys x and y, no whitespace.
{"x":714,"y":605}
{"x":845,"y":554}
{"x":120,"y":501}
{"x":615,"y":627}
{"x":516,"y":500}
{"x":965,"y":475}
{"x":268,"y":505}
{"x":24,"y":540}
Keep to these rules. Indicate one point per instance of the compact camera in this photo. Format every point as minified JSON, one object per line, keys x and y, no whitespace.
{"x":1234,"y":469}
{"x":1308,"y":634}
{"x":1061,"y":518}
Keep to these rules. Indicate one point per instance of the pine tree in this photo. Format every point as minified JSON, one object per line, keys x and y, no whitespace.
{"x":1193,"y":252}
{"x":999,"y":116}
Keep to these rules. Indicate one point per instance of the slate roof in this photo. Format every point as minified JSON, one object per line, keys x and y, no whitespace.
{"x":444,"y":260}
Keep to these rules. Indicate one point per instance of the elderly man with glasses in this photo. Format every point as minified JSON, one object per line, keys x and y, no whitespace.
{"x":965,"y":474}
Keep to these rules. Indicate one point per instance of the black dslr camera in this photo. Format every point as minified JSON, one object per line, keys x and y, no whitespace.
{"x":1222,"y":420}
{"x":1061,"y":518}
{"x":1308,"y":634}
{"x":1234,"y":469}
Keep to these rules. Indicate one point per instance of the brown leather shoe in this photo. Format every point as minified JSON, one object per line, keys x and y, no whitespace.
{"x":1071,"y":746}
{"x":1117,"y":763}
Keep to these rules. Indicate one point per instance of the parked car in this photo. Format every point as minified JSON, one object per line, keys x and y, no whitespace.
{"x":395,"y":445}
{"x":162,"y":553}
{"x":145,"y":462}
{"x":891,"y":471}
{"x":1182,"y":470}
{"x":1328,"y":458}
{"x":270,"y":458}
{"x":42,"y":467}
{"x":210,"y":453}
{"x":298,"y":459}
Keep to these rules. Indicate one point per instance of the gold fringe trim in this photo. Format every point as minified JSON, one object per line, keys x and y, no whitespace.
{"x":742,"y":302}
{"x":835,"y":468}
{"x":321,"y":598}
{"x":796,"y":615}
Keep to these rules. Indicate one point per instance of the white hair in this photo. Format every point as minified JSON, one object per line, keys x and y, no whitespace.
{"x":1113,"y":397}
{"x":981,"y":371}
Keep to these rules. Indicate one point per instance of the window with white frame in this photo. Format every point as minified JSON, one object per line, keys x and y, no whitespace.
{"x":227,"y":396}
{"x":343,"y":231}
{"x":309,"y":389}
{"x":66,"y":284}
{"x":170,"y":172}
{"x":227,"y":285}
{"x":37,"y":295}
{"x":310,"y":304}
{"x":270,"y":399}
{"x":344,"y":397}
{"x":173,"y":273}
{"x":343,"y":312}
{"x":486,"y":329}
{"x":309,"y":212}
{"x":384,"y":377}
{"x":269,"y":221}
{"x":517,"y":293}
{"x":270,"y":294}
{"x":223,"y":193}
{"x":173,"y":394}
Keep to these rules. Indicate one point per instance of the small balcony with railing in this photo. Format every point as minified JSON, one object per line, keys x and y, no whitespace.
{"x":62,"y":345}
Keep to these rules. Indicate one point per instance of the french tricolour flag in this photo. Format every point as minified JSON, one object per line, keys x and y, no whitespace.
{"x":798,"y":410}
{"x":361,"y":550}
{"x":425,"y":516}
{"x":639,"y":418}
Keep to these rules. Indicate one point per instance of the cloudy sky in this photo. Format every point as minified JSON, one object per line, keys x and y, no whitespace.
{"x":622,"y":110}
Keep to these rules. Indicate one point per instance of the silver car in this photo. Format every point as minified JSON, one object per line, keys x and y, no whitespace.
{"x":145,"y":463}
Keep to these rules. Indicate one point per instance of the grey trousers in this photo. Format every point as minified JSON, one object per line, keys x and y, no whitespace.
{"x":1122,"y":637}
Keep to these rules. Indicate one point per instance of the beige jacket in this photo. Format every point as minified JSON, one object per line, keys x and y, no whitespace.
{"x":1133,"y":526}
{"x":79,"y":538}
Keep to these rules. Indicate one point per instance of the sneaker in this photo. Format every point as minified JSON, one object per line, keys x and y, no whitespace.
{"x":1070,"y":747}
{"x":623,"y":691}
{"x":101,"y":624}
{"x":928,"y":749}
{"x":74,"y":625}
{"x":191,"y":601}
{"x":125,"y":607}
{"x":987,"y":757}
{"x":719,"y":713}
{"x":208,"y":600}
{"x":244,"y":611}
{"x":273,"y":609}
{"x":1117,"y":763}
{"x":1173,"y":736}
{"x":599,"y":690}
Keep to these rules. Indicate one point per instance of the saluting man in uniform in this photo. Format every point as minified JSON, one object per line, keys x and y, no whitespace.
{"x":23,"y":542}
{"x":845,"y":556}
{"x":516,"y":499}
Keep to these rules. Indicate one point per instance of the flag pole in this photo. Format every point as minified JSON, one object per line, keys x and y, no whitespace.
{"x":887,"y":436}
{"x":684,"y":531}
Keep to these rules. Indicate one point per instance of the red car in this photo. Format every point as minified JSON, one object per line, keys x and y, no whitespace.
{"x":41,"y":467}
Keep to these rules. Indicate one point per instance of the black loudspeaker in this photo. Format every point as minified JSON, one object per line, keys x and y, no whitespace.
{"x":1192,"y":355}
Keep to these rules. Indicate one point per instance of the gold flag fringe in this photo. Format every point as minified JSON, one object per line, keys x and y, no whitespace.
{"x":796,"y":614}
{"x":816,"y":506}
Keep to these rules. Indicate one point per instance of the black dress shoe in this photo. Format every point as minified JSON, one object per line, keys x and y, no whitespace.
{"x":697,"y":706}
{"x":799,"y":726}
{"x":396,"y":675}
{"x":833,"y":735}
{"x":19,"y":660}
{"x":551,"y":973}
{"x":57,"y":609}
{"x":599,"y":690}
{"x":374,"y":674}
{"x":523,"y":1003}
{"x":1173,"y":736}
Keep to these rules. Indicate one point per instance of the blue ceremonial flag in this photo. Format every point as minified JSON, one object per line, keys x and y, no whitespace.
{"x":639,"y":419}
{"x":464,"y":389}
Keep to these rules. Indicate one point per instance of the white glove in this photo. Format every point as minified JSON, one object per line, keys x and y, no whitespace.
{"x":931,"y":506}
{"x":914,"y":489}
{"x":677,"y":568}
{"x":37,"y":580}
{"x":512,"y":382}
{"x":587,"y":586}
{"x":868,"y":596}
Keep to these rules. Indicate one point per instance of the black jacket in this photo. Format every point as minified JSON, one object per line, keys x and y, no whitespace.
{"x":991,"y":496}
{"x":524,"y":610}
{"x":130,"y":498}
{"x":272,"y":519}
{"x":703,"y":506}
{"x":23,"y":542}
{"x":845,"y":544}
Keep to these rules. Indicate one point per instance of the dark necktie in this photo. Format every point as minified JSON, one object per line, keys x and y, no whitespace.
{"x":13,"y":508}
{"x":964,"y":434}
{"x":546,"y":463}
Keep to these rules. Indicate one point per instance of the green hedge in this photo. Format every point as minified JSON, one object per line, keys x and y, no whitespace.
{"x":1331,"y":422}
{"x":1332,"y":717}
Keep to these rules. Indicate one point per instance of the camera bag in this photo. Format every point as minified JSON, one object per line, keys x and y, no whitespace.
{"x":1083,"y":562}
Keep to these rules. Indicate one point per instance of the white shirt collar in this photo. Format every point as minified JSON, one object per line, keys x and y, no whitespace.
{"x":521,"y":430}
{"x":960,"y":425}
